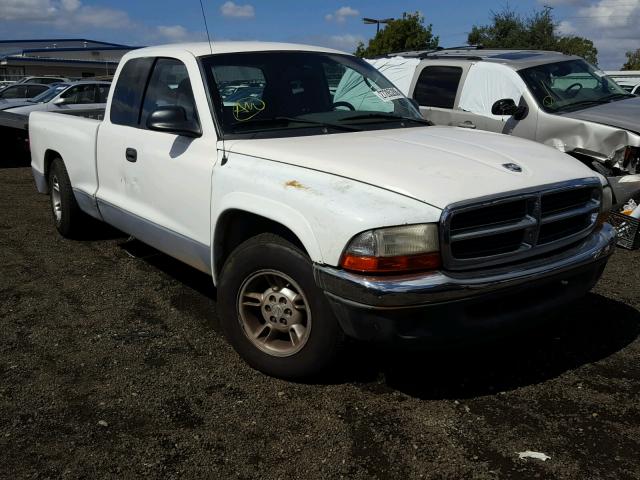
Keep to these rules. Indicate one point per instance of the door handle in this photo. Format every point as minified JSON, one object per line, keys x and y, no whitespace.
{"x":467,"y":124}
{"x":132,"y":155}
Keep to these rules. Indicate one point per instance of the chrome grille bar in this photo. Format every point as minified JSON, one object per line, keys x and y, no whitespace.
{"x":575,"y":207}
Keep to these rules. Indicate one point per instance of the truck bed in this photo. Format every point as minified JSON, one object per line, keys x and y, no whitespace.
{"x":71,"y":136}
{"x":17,"y":121}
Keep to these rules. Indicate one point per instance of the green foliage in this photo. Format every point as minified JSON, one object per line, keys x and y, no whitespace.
{"x":578,"y":46}
{"x":536,"y":32}
{"x":633,"y":61}
{"x":406,"y":33}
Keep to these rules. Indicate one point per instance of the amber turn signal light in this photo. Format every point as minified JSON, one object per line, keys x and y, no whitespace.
{"x":400,"y":264}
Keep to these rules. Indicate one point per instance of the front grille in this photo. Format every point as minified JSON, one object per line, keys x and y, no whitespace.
{"x":503,"y":230}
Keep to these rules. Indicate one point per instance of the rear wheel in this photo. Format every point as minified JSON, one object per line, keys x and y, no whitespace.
{"x":273,"y":313}
{"x":67,"y":216}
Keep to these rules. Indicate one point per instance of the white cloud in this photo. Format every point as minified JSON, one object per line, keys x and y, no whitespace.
{"x":231,"y":9}
{"x":560,"y":3}
{"x":71,"y":5}
{"x":97,"y":17}
{"x":342,"y":14}
{"x":27,"y":10}
{"x":174,"y":33}
{"x":566,"y":28}
{"x":345,"y":43}
{"x":67,"y":14}
{"x":613,"y":25}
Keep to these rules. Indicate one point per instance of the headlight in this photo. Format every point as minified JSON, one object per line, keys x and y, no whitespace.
{"x":394,"y":250}
{"x":606,"y":205}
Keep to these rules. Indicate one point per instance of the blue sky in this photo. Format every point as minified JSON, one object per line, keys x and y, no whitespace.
{"x":613,"y":24}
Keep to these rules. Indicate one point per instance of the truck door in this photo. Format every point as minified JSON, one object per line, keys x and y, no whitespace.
{"x":156,"y":185}
{"x":436,"y":90}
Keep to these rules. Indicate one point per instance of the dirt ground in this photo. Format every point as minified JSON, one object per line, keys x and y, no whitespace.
{"x":113,"y":366}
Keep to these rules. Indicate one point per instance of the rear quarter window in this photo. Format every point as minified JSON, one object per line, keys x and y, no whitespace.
{"x":437,"y":86}
{"x":129,"y":90}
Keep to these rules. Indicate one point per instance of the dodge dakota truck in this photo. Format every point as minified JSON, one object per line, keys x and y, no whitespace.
{"x":320,"y":219}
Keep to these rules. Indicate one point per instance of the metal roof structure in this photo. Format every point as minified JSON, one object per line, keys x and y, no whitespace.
{"x":516,"y":58}
{"x":59,"y":56}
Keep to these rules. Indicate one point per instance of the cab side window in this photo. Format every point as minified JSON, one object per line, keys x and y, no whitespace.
{"x":169,"y":86}
{"x":437,"y":86}
{"x":127,"y":96}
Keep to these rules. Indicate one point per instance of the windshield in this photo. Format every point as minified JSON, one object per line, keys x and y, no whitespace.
{"x":48,"y":95}
{"x":570,"y":85}
{"x":281,"y":91}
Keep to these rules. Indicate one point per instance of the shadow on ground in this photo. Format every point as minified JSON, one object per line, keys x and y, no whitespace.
{"x":590,"y":330}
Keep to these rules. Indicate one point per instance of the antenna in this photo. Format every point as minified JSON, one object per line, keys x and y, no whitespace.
{"x":206,"y":27}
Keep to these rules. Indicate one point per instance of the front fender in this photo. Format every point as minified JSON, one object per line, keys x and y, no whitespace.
{"x":271,"y":209}
{"x":324,"y":211}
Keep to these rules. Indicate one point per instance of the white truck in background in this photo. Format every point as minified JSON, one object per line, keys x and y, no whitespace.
{"x":319,"y":218}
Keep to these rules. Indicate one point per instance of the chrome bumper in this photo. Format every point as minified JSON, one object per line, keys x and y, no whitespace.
{"x":447,"y":304}
{"x":410,"y":291}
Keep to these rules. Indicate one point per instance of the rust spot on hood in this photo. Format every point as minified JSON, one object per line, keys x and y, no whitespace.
{"x":295,"y":184}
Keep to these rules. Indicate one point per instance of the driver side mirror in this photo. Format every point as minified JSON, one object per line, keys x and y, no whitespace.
{"x":508,"y":107}
{"x":173,"y":119}
{"x":60,"y":101}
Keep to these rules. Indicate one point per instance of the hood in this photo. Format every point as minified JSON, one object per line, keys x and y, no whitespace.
{"x":623,"y":114}
{"x":436,"y":165}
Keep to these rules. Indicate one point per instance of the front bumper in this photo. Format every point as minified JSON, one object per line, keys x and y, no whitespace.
{"x":453,"y":304}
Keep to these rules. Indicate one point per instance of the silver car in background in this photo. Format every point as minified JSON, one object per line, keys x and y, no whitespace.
{"x":86,"y":95}
{"x":43,"y":80}
{"x":555,"y":99}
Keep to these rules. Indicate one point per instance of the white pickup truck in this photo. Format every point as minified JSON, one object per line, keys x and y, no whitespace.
{"x":321,"y":219}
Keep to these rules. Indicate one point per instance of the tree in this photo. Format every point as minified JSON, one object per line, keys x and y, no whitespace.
{"x":572,"y":45}
{"x":537,"y":31}
{"x":406,"y":33}
{"x":633,"y":61}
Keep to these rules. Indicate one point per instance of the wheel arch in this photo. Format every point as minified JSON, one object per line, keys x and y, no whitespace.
{"x":49,"y":156}
{"x":236,"y":224}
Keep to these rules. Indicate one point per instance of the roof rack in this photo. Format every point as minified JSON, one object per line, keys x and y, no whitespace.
{"x":424,"y":53}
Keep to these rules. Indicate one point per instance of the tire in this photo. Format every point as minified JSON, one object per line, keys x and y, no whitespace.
{"x":295,"y":333}
{"x":67,"y":216}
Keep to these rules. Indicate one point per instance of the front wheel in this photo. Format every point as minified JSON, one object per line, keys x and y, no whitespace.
{"x":273,"y":313}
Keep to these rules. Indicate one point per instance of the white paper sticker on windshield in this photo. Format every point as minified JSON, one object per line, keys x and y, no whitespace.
{"x":389,"y":94}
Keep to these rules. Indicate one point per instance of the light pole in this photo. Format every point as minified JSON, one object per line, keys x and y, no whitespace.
{"x":377,"y":22}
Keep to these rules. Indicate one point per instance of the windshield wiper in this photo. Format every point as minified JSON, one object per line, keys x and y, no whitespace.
{"x":617,"y":96}
{"x":386,"y":116}
{"x":597,"y":101}
{"x":289,"y":120}
{"x":581,"y":103}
